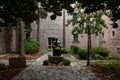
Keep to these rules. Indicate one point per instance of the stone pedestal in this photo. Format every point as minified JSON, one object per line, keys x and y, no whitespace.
{"x":55,"y":59}
{"x":17,"y":62}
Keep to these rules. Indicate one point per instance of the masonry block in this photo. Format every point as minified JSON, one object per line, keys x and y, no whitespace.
{"x":17,"y":62}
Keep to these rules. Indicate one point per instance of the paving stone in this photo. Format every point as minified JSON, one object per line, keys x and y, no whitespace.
{"x":76,"y":71}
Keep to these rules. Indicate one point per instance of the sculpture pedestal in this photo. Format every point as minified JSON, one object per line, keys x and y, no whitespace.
{"x":55,"y":59}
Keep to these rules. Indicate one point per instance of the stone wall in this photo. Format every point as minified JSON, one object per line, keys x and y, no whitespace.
{"x":2,"y":42}
{"x":7,"y":41}
{"x":82,"y":39}
{"x":111,"y":42}
{"x":54,"y":28}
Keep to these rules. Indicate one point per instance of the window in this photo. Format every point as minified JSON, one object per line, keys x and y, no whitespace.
{"x":113,"y":33}
{"x":75,"y":38}
{"x":50,"y":42}
{"x":103,"y":36}
{"x":118,"y":50}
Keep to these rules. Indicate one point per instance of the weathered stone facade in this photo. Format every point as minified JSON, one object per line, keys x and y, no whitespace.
{"x":7,"y":41}
{"x":50,"y":29}
{"x":111,"y":36}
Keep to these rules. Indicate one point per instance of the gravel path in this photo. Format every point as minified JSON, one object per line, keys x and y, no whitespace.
{"x":76,"y":71}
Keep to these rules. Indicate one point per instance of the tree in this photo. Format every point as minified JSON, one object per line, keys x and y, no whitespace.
{"x":80,"y":20}
{"x":56,"y":6}
{"x":95,"y":5}
{"x":18,"y":11}
{"x":84,"y":23}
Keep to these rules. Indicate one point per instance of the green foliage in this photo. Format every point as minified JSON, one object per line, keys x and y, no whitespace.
{"x":56,"y":6}
{"x":112,"y":68}
{"x":95,"y":5}
{"x":98,"y":56}
{"x":118,"y":52}
{"x":76,"y":30}
{"x":66,"y":62}
{"x":80,"y":19}
{"x":44,"y":51}
{"x":64,"y":51}
{"x":31,"y":46}
{"x":74,"y":49}
{"x":43,"y":13}
{"x":12,"y":11}
{"x":45,"y":62}
{"x":82,"y":53}
{"x":107,"y":69}
{"x":114,"y":56}
{"x":99,"y":52}
{"x":28,"y":27}
{"x":3,"y":66}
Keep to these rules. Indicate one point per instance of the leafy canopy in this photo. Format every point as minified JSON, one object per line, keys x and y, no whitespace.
{"x":56,"y":6}
{"x":81,"y":21}
{"x":12,"y":10}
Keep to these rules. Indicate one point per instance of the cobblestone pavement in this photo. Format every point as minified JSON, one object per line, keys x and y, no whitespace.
{"x":76,"y":71}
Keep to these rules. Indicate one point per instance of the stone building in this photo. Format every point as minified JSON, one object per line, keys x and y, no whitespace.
{"x":110,"y":37}
{"x":50,"y":29}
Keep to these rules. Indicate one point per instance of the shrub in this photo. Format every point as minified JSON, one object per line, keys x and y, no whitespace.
{"x":3,"y":66}
{"x":115,"y":56}
{"x":82,"y":53}
{"x":97,"y":56}
{"x":31,"y":46}
{"x":113,"y":69}
{"x":44,"y":51}
{"x":118,"y":52}
{"x":66,"y":62}
{"x":45,"y":62}
{"x":102,"y":52}
{"x":64,"y":51}
{"x":74,"y":49}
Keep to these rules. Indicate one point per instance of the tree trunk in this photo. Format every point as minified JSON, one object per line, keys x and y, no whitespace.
{"x":38,"y":29}
{"x":89,"y":45}
{"x":64,"y":44}
{"x":89,"y":41}
{"x":22,"y":37}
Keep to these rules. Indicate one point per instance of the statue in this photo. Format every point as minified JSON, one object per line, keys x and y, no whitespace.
{"x":56,"y":48}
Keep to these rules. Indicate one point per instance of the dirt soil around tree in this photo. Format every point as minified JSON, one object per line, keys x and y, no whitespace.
{"x":28,"y":56}
{"x":8,"y":74}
